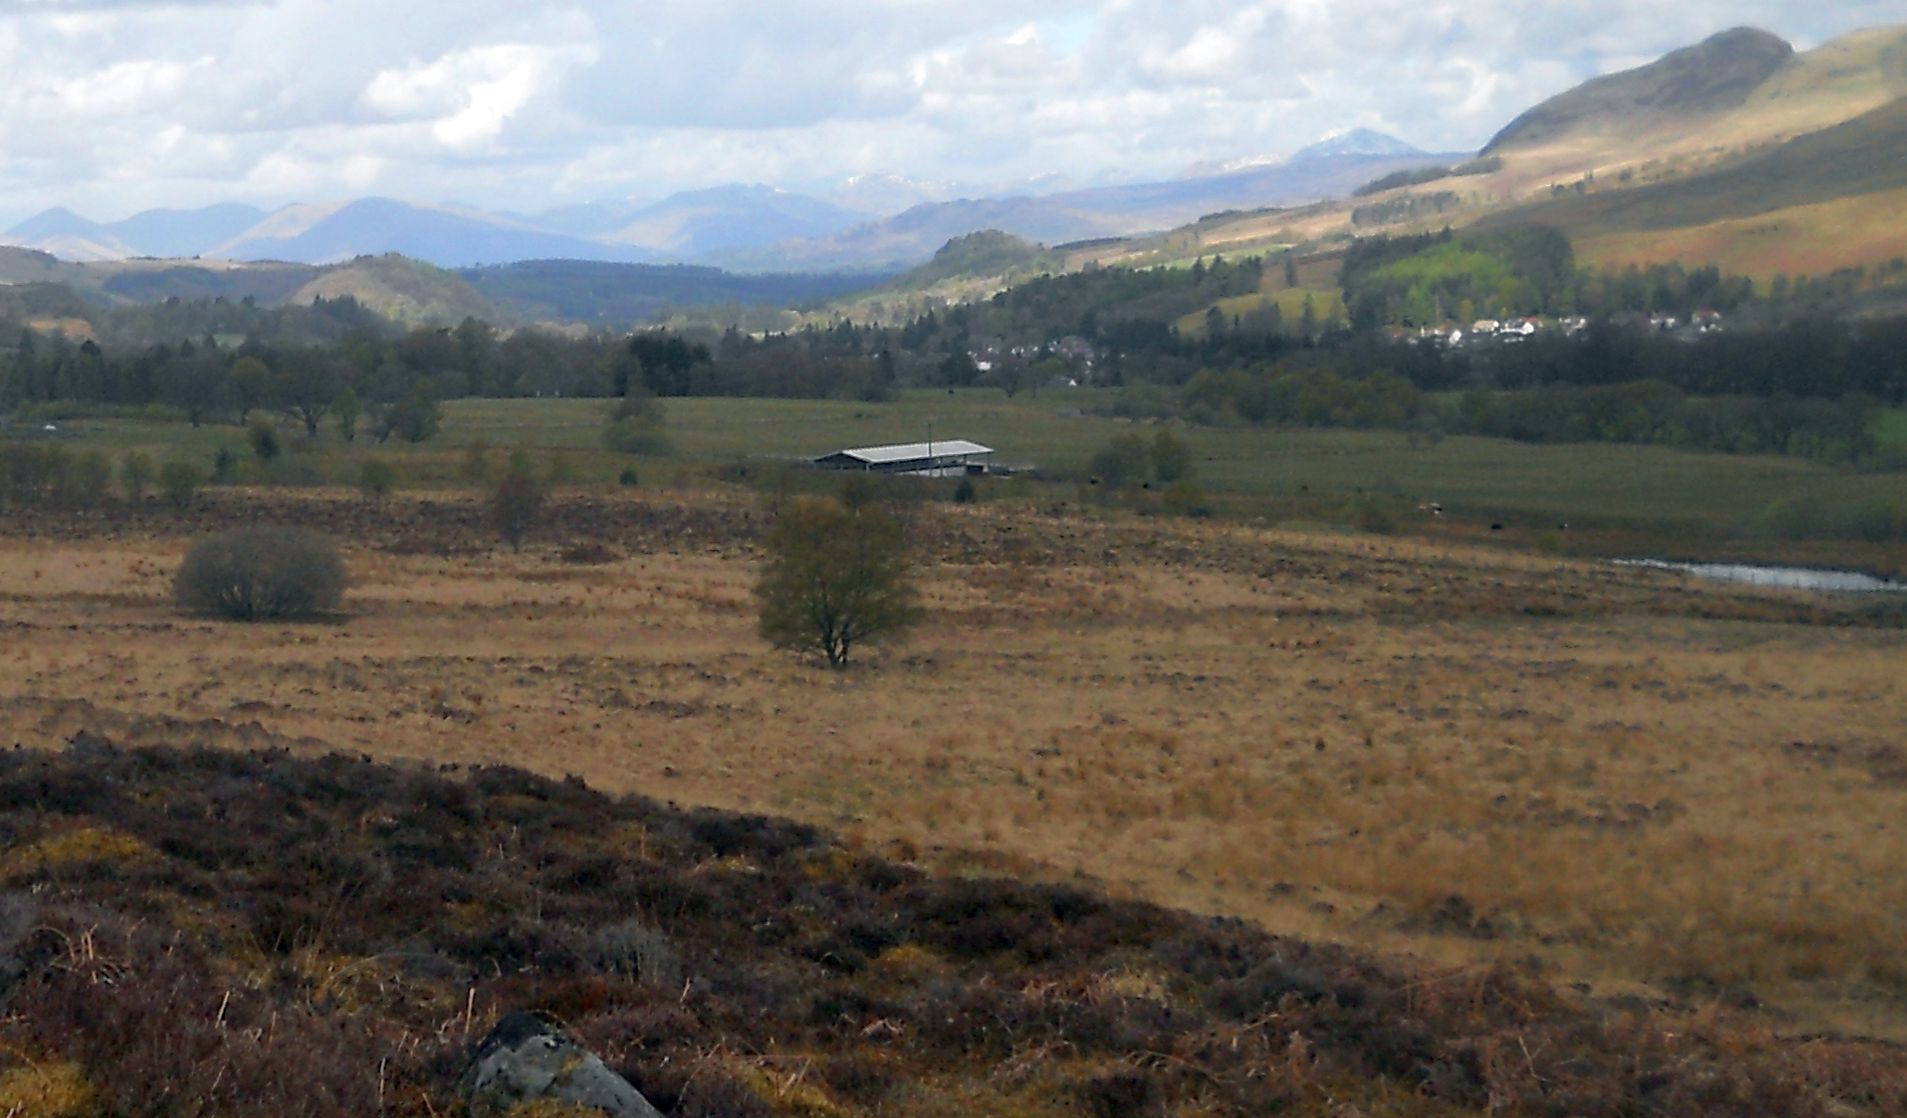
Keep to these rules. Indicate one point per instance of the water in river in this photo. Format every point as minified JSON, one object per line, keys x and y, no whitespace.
{"x":1787,"y":578}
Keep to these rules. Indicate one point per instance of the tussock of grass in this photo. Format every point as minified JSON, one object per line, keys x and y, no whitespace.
{"x":46,"y":1090}
{"x":74,"y":850}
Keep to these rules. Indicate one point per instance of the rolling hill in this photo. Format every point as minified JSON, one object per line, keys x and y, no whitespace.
{"x":408,"y":291}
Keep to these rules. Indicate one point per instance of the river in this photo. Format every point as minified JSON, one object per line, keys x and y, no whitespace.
{"x":1786,"y":578}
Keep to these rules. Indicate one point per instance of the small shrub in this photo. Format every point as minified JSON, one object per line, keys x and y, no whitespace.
{"x":635,"y":425}
{"x":1171,"y":458}
{"x":1184,"y":497}
{"x":264,"y":439}
{"x":1126,"y":460}
{"x":376,"y":479}
{"x":33,"y":472}
{"x":1877,"y":521}
{"x":516,"y":501}
{"x":135,"y":475}
{"x":1374,"y":516}
{"x":345,"y":410}
{"x":628,"y":476}
{"x":291,"y":469}
{"x":179,"y":481}
{"x":966,"y":493}
{"x":256,"y":574}
{"x":89,"y":480}
{"x":861,"y":491}
{"x":632,"y":949}
{"x":475,"y":467}
{"x":414,"y":419}
{"x":225,"y":466}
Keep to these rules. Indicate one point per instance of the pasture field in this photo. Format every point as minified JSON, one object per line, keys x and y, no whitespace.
{"x":1893,"y":428}
{"x":1617,"y":500}
{"x":1595,"y":775}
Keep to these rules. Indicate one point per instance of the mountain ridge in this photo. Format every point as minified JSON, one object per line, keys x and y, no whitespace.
{"x":1721,"y":72}
{"x":737,"y":226}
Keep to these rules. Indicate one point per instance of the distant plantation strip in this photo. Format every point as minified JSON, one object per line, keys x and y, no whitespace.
{"x":1418,"y":176}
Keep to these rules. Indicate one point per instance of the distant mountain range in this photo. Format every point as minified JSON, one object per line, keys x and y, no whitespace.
{"x":751,"y":228}
{"x":1737,"y":151}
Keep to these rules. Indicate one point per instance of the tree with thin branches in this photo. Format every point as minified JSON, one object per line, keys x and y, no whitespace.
{"x":835,"y":578}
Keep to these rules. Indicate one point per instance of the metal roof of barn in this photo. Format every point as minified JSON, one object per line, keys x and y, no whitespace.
{"x":910,"y":452}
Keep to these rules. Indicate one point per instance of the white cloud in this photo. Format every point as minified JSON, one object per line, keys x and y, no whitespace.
{"x":470,"y":95}
{"x":116,"y":106}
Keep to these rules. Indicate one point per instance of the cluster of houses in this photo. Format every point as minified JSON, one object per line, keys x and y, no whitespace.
{"x":1487,"y":331}
{"x":1076,"y":351}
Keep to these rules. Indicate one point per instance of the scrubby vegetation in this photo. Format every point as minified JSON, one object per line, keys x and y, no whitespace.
{"x":261,"y":574}
{"x":225,"y":932}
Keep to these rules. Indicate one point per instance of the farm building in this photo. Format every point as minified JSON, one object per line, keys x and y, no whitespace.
{"x":942,"y":458}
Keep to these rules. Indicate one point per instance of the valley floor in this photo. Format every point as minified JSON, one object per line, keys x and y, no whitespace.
{"x":1600,"y":776}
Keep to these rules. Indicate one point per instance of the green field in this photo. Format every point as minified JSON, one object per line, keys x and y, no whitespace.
{"x":1286,"y":475}
{"x":1893,"y":428}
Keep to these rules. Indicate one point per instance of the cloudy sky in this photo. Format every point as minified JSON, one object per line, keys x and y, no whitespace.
{"x":114,"y":106}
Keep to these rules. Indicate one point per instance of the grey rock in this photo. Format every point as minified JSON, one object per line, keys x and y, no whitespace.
{"x":528,"y":1058}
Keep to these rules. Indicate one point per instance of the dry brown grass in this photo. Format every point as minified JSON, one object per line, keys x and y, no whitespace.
{"x":1867,"y":230}
{"x":1462,"y":753}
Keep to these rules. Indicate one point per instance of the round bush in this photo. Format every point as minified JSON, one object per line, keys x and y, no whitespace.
{"x":255,"y":574}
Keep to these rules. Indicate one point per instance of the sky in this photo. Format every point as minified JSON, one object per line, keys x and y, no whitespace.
{"x":115,"y":106}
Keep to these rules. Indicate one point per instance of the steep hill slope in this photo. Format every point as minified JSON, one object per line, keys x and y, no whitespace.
{"x":1706,"y":105}
{"x":1863,"y":158}
{"x":1718,"y":73}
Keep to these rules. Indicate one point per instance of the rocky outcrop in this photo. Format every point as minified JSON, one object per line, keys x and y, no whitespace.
{"x":529,"y":1059}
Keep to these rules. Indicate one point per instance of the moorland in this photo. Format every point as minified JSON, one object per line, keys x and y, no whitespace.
{"x":1428,"y":741}
{"x":1278,"y":735}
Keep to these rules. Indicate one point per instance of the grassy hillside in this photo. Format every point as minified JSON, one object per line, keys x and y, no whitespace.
{"x":1830,"y":199}
{"x":1867,"y":155}
{"x":1813,"y":240}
